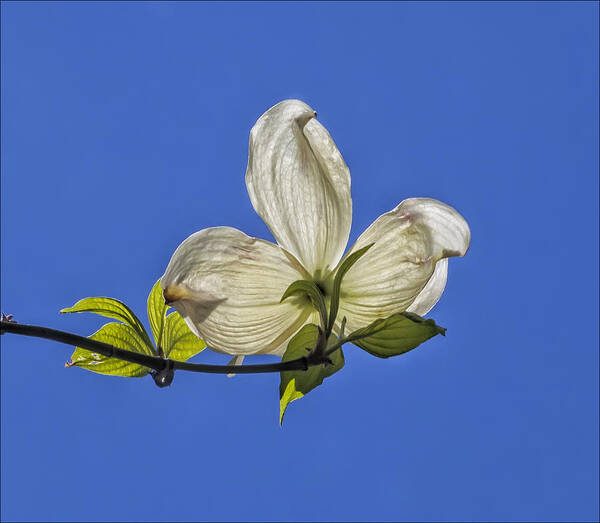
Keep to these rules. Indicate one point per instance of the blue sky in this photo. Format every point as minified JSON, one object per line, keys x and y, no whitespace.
{"x":125,"y":129}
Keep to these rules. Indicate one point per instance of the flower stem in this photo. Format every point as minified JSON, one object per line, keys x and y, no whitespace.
{"x":152,"y":362}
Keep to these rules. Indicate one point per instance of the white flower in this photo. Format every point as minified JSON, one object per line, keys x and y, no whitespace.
{"x":228,"y":286}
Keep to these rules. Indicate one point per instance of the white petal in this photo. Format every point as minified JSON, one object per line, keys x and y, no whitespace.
{"x":228,"y":287}
{"x":405,"y":266}
{"x":432,"y":292}
{"x":299,"y":184}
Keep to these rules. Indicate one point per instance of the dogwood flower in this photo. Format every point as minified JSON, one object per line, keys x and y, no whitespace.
{"x":228,"y":286}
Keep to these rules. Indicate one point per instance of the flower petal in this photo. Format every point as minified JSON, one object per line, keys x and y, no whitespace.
{"x":299,"y":184}
{"x":228,"y":286}
{"x":432,"y":292}
{"x":406,"y":268}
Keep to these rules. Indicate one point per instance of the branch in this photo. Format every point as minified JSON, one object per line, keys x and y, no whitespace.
{"x":153,"y":362}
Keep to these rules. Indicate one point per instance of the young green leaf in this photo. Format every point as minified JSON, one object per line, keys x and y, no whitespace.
{"x":310,"y":289}
{"x":157,"y":311}
{"x":121,"y":336}
{"x":180,"y":343}
{"x":344,"y":267}
{"x":395,"y":334}
{"x":295,"y":384}
{"x":291,"y":393}
{"x":111,"y":308}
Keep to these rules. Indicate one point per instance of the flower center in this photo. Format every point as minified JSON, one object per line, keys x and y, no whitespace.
{"x":324,"y":280}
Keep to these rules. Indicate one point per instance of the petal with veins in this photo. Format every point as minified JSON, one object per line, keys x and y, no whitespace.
{"x":404,"y":266}
{"x":432,"y":292}
{"x":228,"y":287}
{"x":299,"y":184}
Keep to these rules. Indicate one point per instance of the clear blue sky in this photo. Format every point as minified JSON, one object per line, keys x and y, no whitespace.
{"x":125,"y":129}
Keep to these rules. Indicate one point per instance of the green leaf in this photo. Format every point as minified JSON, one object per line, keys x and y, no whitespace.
{"x":111,"y":308}
{"x":121,"y":336}
{"x":314,"y":293}
{"x":290,"y":394}
{"x":157,"y":311}
{"x":344,"y":267}
{"x":296,"y":383}
{"x":180,"y":343}
{"x":394,"y":335}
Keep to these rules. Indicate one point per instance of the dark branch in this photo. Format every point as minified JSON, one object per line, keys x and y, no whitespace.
{"x":152,"y":362}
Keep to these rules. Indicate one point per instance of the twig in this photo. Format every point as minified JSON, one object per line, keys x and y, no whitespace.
{"x":152,"y":362}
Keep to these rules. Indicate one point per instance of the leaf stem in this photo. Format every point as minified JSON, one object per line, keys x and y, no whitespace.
{"x":152,"y":362}
{"x":337,"y":345}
